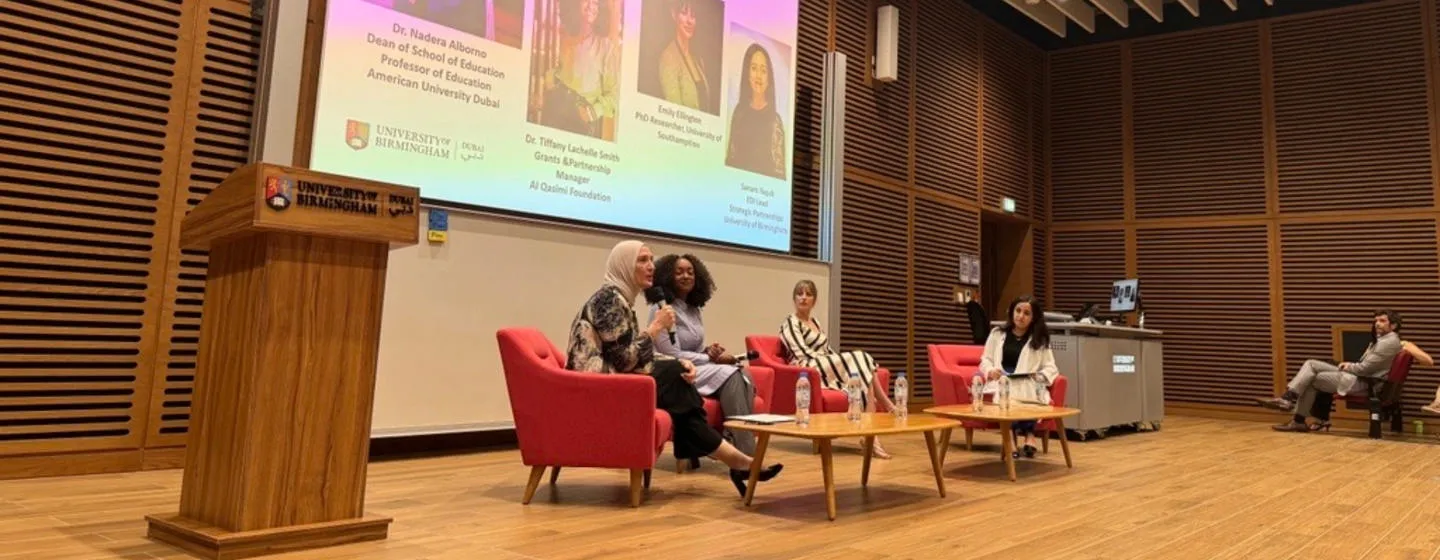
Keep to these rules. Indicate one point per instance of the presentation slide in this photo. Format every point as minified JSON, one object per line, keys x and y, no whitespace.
{"x":670,"y":116}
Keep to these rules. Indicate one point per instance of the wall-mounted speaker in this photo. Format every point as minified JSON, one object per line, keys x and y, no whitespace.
{"x":887,"y":44}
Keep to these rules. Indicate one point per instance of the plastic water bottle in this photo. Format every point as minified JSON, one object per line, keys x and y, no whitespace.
{"x":802,"y":400}
{"x":977,"y":392}
{"x":853,"y":390}
{"x":1003,"y":396}
{"x":902,"y":397}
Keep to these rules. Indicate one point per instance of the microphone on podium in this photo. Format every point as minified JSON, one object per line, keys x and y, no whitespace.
{"x":662,"y":296}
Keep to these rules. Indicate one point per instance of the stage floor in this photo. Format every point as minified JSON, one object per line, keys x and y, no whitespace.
{"x":1197,"y":489}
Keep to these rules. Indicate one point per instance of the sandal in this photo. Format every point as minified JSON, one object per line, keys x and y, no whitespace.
{"x":878,"y":452}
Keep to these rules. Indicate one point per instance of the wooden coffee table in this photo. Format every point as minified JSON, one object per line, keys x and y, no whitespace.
{"x":824,"y":428}
{"x":1018,"y":413}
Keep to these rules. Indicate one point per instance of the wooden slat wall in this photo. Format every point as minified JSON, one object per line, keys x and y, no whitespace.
{"x":1086,"y":263}
{"x":877,"y":114}
{"x":1009,"y":74}
{"x":1282,"y":170}
{"x":113,"y":113}
{"x":1199,"y":147}
{"x":942,"y":232}
{"x":1351,"y":110}
{"x":85,"y":115}
{"x":946,"y":157}
{"x":814,"y":40}
{"x":1042,"y":264}
{"x":1086,"y":172}
{"x":216,"y":143}
{"x":913,"y":166}
{"x":873,"y":310}
{"x":1209,"y":288}
{"x":1341,"y":272}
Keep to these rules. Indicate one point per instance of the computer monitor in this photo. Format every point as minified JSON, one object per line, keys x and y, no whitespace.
{"x":1125,"y":295}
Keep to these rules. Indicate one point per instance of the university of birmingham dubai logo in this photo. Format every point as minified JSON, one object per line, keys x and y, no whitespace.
{"x":357,"y":134}
{"x":279,"y":193}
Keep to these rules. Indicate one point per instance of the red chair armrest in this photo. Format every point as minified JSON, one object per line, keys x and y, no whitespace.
{"x":783,"y":389}
{"x":952,"y":386}
{"x":1057,"y":390}
{"x":764,"y":379}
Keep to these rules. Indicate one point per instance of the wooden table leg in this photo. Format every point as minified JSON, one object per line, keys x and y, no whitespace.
{"x":865,"y":466}
{"x":762,"y":440}
{"x":944,"y":444}
{"x":828,"y":466}
{"x":1064,"y":441}
{"x":1008,"y":437}
{"x":935,"y":462}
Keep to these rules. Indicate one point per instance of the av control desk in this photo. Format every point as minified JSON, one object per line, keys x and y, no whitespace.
{"x":1116,"y":374}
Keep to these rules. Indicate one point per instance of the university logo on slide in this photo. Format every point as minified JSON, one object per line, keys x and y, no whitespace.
{"x":279,"y":193}
{"x":357,"y":134}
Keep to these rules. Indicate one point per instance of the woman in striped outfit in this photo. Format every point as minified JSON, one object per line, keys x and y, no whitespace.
{"x":809,"y":347}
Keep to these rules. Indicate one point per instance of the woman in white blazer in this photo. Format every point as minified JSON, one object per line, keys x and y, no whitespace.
{"x":1021,"y":346}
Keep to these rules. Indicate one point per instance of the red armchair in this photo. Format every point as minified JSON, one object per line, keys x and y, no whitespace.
{"x":771,"y":354}
{"x":577,"y":419}
{"x":951,"y":368}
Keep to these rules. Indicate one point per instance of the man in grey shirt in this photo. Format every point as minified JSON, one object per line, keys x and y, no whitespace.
{"x":1317,"y":376}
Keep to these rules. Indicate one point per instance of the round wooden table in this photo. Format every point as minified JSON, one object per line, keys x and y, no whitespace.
{"x":1005,"y":418}
{"x":823,"y":428}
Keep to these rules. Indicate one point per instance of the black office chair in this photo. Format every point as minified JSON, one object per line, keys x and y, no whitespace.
{"x":979,"y":321}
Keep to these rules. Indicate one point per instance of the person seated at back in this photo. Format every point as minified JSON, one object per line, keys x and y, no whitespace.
{"x":1021,"y":346}
{"x":809,"y":347}
{"x":1316,"y":376}
{"x":1325,"y":402}
{"x":716,"y":373}
{"x":605,"y":337}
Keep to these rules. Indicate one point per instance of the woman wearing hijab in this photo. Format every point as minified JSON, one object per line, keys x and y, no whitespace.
{"x":606,"y":338}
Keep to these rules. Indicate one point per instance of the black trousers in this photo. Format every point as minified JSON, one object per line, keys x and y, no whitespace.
{"x":693,"y":436}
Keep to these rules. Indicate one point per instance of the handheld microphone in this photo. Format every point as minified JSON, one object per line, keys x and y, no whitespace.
{"x":657,"y":294}
{"x":746,"y":356}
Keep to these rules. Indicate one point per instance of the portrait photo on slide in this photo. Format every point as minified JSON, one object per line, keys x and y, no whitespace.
{"x":681,"y":44}
{"x":758,"y":70}
{"x":575,"y":48}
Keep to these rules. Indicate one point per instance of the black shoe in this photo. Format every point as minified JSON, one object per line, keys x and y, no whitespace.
{"x":740,"y":476}
{"x":1029,"y":452}
{"x":695,"y":464}
{"x":1278,"y":403}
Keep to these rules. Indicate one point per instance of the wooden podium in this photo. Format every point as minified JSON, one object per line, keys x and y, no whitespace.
{"x":285,"y":379}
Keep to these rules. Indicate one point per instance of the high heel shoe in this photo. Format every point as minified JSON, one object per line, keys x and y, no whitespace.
{"x":1319,"y":426}
{"x":740,"y":476}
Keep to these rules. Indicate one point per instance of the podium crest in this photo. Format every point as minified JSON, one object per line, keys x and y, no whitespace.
{"x":279,"y":193}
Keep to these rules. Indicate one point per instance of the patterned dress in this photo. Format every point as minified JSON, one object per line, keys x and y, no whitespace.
{"x":809,"y":347}
{"x":605,"y":337}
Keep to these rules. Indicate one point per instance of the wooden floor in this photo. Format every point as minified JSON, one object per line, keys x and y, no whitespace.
{"x":1197,"y":489}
